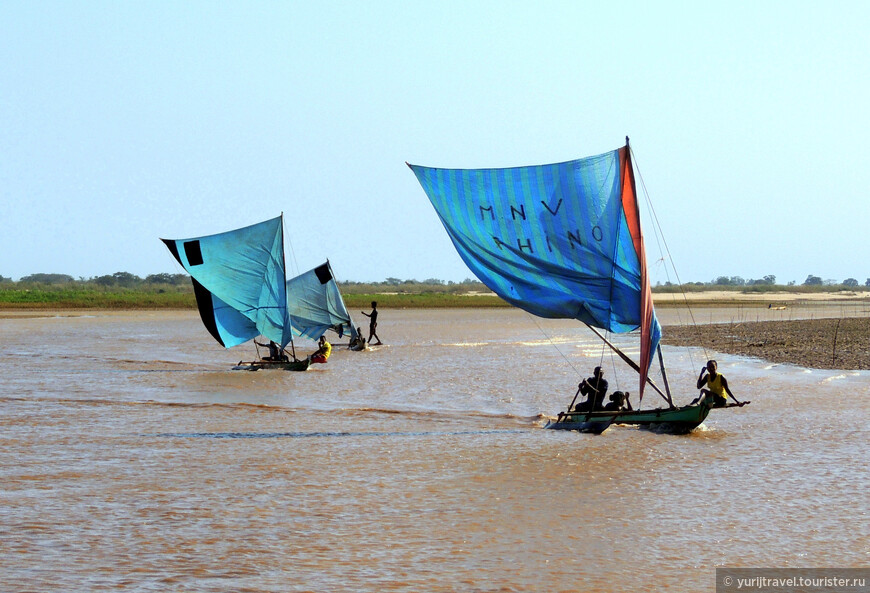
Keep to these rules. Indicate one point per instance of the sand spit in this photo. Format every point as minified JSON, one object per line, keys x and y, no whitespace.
{"x":815,"y":343}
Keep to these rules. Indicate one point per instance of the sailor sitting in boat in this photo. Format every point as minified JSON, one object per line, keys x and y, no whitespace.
{"x":358,"y":343}
{"x":276,"y":353}
{"x":594,"y":388}
{"x":717,"y":386}
{"x":321,"y":355}
{"x":618,"y":402}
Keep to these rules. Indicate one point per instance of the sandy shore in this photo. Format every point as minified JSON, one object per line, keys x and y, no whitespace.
{"x":814,"y":343}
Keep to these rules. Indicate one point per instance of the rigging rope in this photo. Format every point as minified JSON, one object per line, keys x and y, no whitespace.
{"x":289,"y":241}
{"x":660,"y":239}
{"x":578,"y":373}
{"x":552,"y":343}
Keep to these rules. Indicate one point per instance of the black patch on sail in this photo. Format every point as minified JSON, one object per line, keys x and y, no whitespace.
{"x":323,"y":274}
{"x":193,"y":253}
{"x":206,"y":307}
{"x":173,"y":249}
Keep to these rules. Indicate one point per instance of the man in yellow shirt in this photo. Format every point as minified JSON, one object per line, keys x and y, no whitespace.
{"x":321,"y":355}
{"x":717,"y":386}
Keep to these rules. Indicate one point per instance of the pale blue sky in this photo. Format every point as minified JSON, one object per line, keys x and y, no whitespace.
{"x":123,"y":122}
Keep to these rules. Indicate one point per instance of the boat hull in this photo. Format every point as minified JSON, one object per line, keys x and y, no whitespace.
{"x":296,"y":365}
{"x":680,"y":420}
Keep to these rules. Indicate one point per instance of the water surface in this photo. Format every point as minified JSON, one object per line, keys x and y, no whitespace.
{"x":133,"y":459}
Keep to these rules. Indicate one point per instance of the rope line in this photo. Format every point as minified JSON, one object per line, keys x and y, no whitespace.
{"x":552,"y":343}
{"x":660,"y":239}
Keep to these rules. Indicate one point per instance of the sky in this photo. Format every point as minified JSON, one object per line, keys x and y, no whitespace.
{"x":125,"y":122}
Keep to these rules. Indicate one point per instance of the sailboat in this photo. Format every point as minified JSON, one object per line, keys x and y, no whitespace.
{"x":241,"y":292}
{"x":315,"y":305}
{"x":564,"y":240}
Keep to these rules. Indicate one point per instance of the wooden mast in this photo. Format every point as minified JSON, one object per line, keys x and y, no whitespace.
{"x":630,"y":363}
{"x":665,"y":375}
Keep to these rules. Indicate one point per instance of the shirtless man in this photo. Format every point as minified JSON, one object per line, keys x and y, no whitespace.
{"x":373,"y":323}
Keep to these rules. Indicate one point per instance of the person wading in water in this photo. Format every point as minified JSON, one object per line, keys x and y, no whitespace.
{"x":373,"y":323}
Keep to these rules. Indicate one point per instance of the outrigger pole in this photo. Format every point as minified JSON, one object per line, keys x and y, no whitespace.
{"x":633,"y":365}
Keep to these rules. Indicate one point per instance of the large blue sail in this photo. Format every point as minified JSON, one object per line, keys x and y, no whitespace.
{"x":239,"y":281}
{"x":560,"y":240}
{"x":315,"y":304}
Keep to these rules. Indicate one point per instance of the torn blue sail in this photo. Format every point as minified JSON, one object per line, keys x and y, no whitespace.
{"x":315,"y":305}
{"x":239,"y":282}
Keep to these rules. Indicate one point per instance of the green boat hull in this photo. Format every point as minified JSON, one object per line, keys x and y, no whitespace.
{"x":680,"y":420}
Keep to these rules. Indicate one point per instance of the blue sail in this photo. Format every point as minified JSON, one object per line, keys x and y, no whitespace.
{"x":559,"y":241}
{"x":239,"y":282}
{"x":315,"y":304}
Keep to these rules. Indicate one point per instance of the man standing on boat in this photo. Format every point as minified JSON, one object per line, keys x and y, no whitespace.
{"x":717,"y":386}
{"x":594,"y":388}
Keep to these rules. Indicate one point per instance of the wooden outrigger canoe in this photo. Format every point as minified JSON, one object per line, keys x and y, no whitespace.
{"x":677,"y":420}
{"x":518,"y":230}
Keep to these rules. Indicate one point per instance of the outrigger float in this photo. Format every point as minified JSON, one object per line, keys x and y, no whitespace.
{"x":271,"y":365}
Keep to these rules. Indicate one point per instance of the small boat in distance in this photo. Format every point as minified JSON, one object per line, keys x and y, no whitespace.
{"x":564,"y":241}
{"x":241,"y":292}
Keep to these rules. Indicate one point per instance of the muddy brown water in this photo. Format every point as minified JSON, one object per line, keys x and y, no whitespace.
{"x":133,"y":459}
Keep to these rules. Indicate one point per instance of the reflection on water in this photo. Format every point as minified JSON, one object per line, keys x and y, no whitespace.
{"x":133,"y":459}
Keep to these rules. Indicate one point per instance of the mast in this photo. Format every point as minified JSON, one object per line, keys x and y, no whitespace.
{"x":665,"y":375}
{"x":646,"y":313}
{"x":284,"y":271}
{"x":631,"y":363}
{"x":646,"y":296}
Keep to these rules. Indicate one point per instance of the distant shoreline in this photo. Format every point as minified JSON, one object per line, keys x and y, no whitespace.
{"x":133,"y":300}
{"x":765,"y":299}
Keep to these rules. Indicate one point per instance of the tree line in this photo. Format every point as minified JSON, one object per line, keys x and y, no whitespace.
{"x":118,"y":279}
{"x":812,"y":280}
{"x":181,"y":282}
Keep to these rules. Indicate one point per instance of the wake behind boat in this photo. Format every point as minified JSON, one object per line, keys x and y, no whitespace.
{"x":564,"y":241}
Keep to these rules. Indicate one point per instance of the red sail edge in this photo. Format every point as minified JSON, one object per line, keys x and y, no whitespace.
{"x":632,"y":216}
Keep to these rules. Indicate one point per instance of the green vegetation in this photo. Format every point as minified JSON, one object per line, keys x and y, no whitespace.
{"x":123,"y":290}
{"x":423,"y":300}
{"x":431,"y":293}
{"x":118,"y":291}
{"x":92,"y":298}
{"x":174,"y":291}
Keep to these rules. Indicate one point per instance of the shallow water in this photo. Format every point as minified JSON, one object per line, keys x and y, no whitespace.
{"x":132,"y":459}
